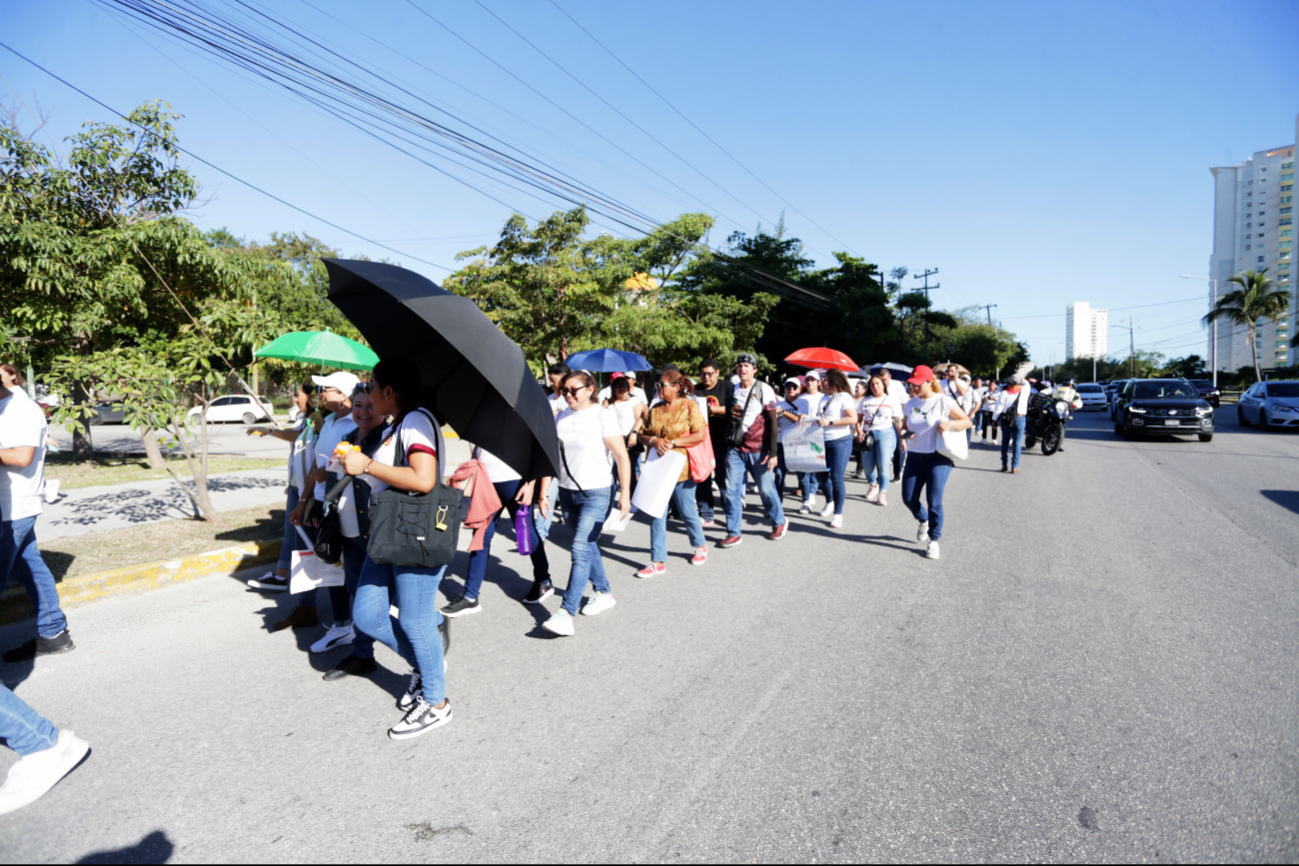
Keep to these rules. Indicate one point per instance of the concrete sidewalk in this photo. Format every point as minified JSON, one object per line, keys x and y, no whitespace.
{"x":120,"y":506}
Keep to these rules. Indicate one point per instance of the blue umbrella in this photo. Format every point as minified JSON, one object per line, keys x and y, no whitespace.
{"x":606,"y":361}
{"x":888,"y":365}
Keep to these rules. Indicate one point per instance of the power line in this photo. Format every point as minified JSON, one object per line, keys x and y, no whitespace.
{"x":698,"y":129}
{"x":215,"y":167}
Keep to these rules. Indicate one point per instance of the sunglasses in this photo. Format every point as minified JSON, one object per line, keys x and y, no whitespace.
{"x":572,"y":392}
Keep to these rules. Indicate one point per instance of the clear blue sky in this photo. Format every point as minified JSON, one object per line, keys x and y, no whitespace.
{"x":1037,"y":154}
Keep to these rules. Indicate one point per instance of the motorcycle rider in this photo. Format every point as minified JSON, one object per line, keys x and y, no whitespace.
{"x":1069,"y":394}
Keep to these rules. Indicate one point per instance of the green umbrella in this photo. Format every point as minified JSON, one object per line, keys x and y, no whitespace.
{"x":320,"y":347}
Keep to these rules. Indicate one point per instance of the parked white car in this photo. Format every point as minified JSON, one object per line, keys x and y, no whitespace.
{"x":1270,"y":404}
{"x":233,"y":407}
{"x":1093,"y":396}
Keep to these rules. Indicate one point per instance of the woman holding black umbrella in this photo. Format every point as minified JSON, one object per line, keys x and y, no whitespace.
{"x":588,"y":437}
{"x":405,"y":460}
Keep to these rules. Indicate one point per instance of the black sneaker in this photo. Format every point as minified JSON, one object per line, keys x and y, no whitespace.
{"x":540,"y":589}
{"x":406,"y":701}
{"x":41,"y":646}
{"x":270,"y":582}
{"x":351,"y":667}
{"x":461,"y":606}
{"x":422,"y":718}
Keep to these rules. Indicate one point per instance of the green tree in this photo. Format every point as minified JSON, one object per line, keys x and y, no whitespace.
{"x":1255,"y":299}
{"x":1190,"y":367}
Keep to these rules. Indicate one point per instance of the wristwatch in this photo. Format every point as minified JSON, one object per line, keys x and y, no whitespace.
{"x":366,"y":470}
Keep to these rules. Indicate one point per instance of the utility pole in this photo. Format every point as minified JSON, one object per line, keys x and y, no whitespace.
{"x":926,"y":288}
{"x":989,"y":308}
{"x":1132,"y":350}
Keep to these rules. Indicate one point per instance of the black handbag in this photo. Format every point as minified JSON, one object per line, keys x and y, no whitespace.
{"x":329,"y":534}
{"x":417,"y":530}
{"x":735,"y":431}
{"x":868,"y":442}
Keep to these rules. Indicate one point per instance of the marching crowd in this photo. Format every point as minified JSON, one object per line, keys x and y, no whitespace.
{"x":354,"y":440}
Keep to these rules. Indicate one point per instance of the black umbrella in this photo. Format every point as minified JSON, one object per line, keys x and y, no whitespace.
{"x":475,"y":378}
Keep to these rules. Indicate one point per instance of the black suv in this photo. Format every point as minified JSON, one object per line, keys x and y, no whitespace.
{"x":1162,"y":407}
{"x":1208,"y":391}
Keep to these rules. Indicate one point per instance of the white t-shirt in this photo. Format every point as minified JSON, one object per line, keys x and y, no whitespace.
{"x":582,"y":448}
{"x":557,"y":404}
{"x":836,"y":409}
{"x":809,"y":405}
{"x":302,"y":455}
{"x":1005,"y":399}
{"x":923,"y":417}
{"x":22,"y":424}
{"x":783,"y":423}
{"x":331,"y":433}
{"x":763,"y":398}
{"x":626,"y":412}
{"x":413,"y":433}
{"x":878,"y":412}
{"x":496,"y":470}
{"x":898,"y":390}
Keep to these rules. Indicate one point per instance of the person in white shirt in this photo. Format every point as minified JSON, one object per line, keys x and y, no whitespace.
{"x":927,"y":415}
{"x":898,"y":390}
{"x":787,"y":416}
{"x":302,"y":457}
{"x":752,"y":408}
{"x":637,"y":395}
{"x":1011,"y":411}
{"x":632,"y":416}
{"x":987,"y":404}
{"x":838,"y":417}
{"x":881,"y":414}
{"x":809,"y":405}
{"x":22,"y":488}
{"x":336,"y":399}
{"x":589,"y":441}
{"x":406,"y":460}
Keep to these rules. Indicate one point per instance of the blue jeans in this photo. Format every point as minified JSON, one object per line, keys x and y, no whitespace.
{"x":543,"y":522}
{"x":811,"y":483}
{"x":927,"y":474}
{"x":20,"y":558}
{"x":880,"y":459}
{"x":22,"y":728}
{"x":837,"y":452}
{"x":587,"y":512}
{"x":478,"y":558}
{"x":291,"y":541}
{"x":684,"y":495}
{"x":737,"y":464}
{"x":1016,"y":434}
{"x":343,"y":598}
{"x":416,"y":639}
{"x":781,"y":471}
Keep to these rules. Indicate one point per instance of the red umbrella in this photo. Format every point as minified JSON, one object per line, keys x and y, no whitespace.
{"x":823,"y":359}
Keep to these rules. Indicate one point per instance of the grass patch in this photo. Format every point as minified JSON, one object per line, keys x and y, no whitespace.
{"x":92,"y":552}
{"x":111,"y":469}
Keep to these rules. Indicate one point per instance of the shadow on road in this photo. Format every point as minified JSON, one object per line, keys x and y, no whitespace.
{"x":1288,"y":499}
{"x":154,"y":848}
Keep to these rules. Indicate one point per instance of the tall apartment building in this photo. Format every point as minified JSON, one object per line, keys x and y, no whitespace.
{"x":1253,"y":228}
{"x":1086,"y":333}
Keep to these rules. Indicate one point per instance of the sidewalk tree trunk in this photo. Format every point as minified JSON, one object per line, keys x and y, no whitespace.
{"x":151,"y":449}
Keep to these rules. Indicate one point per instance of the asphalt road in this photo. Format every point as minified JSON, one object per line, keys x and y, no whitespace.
{"x":1100,"y":668}
{"x":222,"y":439}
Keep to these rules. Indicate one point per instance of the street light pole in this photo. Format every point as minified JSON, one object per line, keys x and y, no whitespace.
{"x":1213,"y":356}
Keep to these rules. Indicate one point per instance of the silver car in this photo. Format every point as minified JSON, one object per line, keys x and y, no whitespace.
{"x":1093,"y":396}
{"x":1270,"y":404}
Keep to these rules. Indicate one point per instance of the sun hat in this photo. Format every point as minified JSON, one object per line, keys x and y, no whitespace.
{"x":920,"y":375}
{"x":341,"y":380}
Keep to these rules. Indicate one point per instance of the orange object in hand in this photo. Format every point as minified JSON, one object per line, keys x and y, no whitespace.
{"x":343,"y":448}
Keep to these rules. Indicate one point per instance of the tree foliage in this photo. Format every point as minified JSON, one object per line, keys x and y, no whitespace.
{"x":1255,"y":299}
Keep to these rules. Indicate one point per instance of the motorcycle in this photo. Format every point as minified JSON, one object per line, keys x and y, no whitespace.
{"x":1045,"y":423}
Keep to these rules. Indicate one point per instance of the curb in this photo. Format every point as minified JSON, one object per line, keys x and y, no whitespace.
{"x":136,"y":579}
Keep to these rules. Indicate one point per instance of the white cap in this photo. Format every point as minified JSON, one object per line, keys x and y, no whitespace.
{"x":813,"y":374}
{"x":793,"y":380}
{"x":342,"y":380}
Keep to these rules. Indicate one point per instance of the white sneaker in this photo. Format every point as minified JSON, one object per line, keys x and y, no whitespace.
{"x":33,"y":775}
{"x":872,"y":493}
{"x":922,"y":532}
{"x":836,"y":521}
{"x":598,"y":603}
{"x":560,"y":623}
{"x":883,"y":500}
{"x":828,"y":510}
{"x":337,"y":636}
{"x":807,"y":507}
{"x":931,"y":552}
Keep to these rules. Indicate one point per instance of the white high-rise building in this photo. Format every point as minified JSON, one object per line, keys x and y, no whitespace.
{"x":1253,"y":228}
{"x":1086,"y":332}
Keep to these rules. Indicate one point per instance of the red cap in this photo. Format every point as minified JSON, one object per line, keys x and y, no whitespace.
{"x":921,"y":374}
{"x":616,"y":376}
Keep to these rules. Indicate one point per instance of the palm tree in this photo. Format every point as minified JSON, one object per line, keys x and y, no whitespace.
{"x":1255,"y":299}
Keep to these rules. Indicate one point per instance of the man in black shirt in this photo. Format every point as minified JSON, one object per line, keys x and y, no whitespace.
{"x":710,"y":385}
